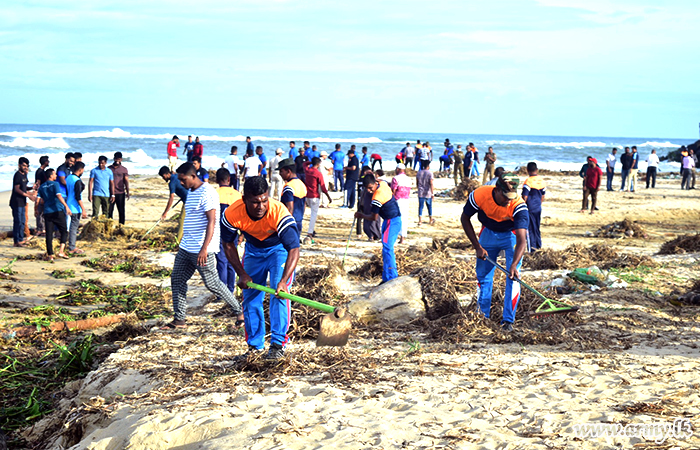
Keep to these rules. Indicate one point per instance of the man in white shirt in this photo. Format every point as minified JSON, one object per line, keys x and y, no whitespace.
{"x":610,"y":168}
{"x":276,"y":181}
{"x":199,"y":246}
{"x":327,"y":172}
{"x":233,"y":163}
{"x":652,"y":164}
{"x":252,"y":167}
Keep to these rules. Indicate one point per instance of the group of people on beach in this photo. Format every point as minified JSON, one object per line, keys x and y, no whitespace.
{"x":58,"y":197}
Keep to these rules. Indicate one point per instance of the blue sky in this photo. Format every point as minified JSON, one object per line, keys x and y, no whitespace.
{"x":539,"y":67}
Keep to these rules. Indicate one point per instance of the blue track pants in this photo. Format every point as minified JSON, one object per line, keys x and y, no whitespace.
{"x":390,"y":232}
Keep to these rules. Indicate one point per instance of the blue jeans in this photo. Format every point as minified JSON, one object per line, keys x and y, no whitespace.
{"x":625,"y":173}
{"x":390,"y":232}
{"x":18,"y":222}
{"x":338,"y":179}
{"x":475,"y":169}
{"x":258,"y":263}
{"x":610,"y":174}
{"x":493,"y":242}
{"x":350,"y":193}
{"x":428,"y":201}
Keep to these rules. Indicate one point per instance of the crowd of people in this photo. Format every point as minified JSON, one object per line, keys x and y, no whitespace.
{"x":58,"y":197}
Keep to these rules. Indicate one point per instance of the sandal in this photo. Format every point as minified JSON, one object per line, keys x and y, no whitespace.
{"x":175,"y":324}
{"x":77,"y":251}
{"x":63,"y":255}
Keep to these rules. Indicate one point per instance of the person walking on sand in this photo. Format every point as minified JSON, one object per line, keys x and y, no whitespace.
{"x":694,"y":157}
{"x":294,"y":192}
{"x":327,"y":172}
{"x":475,"y":161}
{"x":490,"y":159}
{"x":534,"y":191}
{"x":652,"y":164}
{"x":610,"y":168}
{"x":276,"y":181}
{"x":233,"y":163}
{"x":227,"y":197}
{"x":352,"y":175}
{"x":173,"y":145}
{"x":198,"y":247}
{"x":74,"y":200}
{"x":582,"y":174}
{"x":384,"y":205}
{"x":424,"y":180}
{"x":401,"y":188}
{"x":338,"y":158}
{"x":314,"y":187}
{"x":626,"y":162}
{"x":409,"y":151}
{"x":505,"y":220}
{"x":252,"y":166}
{"x":271,"y":249}
{"x":39,"y":179}
{"x":198,"y":149}
{"x":175,"y":188}
{"x":189,"y":148}
{"x":121,"y":188}
{"x":63,"y":171}
{"x":101,"y":188}
{"x":55,"y":212}
{"x":592,"y":183}
{"x":459,"y":165}
{"x":18,"y":202}
{"x":634,"y":169}
{"x":687,"y":169}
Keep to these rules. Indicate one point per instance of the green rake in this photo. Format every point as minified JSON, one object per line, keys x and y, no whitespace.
{"x":548,"y":307}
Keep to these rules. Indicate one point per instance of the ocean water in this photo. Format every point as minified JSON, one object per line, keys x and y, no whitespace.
{"x":144,"y":147}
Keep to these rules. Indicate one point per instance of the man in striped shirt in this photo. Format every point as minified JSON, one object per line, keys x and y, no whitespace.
{"x":199,"y":245}
{"x":504,"y":219}
{"x":271,"y":248}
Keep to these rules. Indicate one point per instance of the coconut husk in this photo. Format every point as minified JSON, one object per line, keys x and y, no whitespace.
{"x":622,"y":230}
{"x":687,"y":243}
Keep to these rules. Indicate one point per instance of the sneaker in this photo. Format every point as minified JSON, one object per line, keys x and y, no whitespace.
{"x":507,"y":327}
{"x":276,"y":352}
{"x":245,"y":357}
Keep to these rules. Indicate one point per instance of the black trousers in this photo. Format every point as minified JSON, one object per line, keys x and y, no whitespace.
{"x":651,"y":175}
{"x":120,"y":202}
{"x":58,"y":220}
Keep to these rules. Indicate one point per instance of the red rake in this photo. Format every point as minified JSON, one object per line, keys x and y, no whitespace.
{"x":548,"y":307}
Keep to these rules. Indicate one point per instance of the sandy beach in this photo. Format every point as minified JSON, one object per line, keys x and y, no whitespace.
{"x":629,"y":356}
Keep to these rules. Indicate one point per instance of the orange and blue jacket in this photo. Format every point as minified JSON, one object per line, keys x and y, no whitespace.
{"x":276,"y":227}
{"x":497,"y":218}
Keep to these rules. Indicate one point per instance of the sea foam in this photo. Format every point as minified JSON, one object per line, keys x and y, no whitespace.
{"x":22,"y":142}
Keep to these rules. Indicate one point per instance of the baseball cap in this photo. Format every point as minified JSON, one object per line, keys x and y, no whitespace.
{"x":324,"y":153}
{"x":594,"y":161}
{"x":289,"y":162}
{"x":401,"y":166}
{"x":279,"y":150}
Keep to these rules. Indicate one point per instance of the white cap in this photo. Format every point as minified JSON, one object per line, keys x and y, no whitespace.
{"x":401,"y":166}
{"x":279,"y":150}
{"x":324,"y":153}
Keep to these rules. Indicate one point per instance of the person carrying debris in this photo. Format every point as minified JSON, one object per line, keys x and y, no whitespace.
{"x":384,"y":205}
{"x":199,"y":245}
{"x":504,"y":219}
{"x":534,"y":191}
{"x":271,"y":248}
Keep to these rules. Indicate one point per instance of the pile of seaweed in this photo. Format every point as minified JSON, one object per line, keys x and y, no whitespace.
{"x":318,"y":283}
{"x":579,"y":255}
{"x":466,"y":187}
{"x":621,"y":230}
{"x":687,"y":243}
{"x":448,"y":242}
{"x":103,"y":229}
{"x":146,"y":301}
{"x":163,"y":238}
{"x":131,"y":264}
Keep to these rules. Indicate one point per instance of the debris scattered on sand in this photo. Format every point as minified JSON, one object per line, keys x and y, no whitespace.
{"x":466,"y":187}
{"x":126,"y":263}
{"x":448,"y":242}
{"x":687,"y":243}
{"x":622,"y":230}
{"x":579,"y":255}
{"x":63,"y":274}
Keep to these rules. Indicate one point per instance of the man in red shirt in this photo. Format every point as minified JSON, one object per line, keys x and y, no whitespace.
{"x":591,"y":184}
{"x":173,"y":145}
{"x":314,"y":181}
{"x":198,"y":148}
{"x":374,"y":159}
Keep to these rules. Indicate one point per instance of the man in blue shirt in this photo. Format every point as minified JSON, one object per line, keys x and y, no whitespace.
{"x":189,"y":149}
{"x":74,"y":199}
{"x":202,"y":173}
{"x":311,"y":152}
{"x":365,"y":158}
{"x":338,"y":158}
{"x":263,"y":160}
{"x":101,"y":187}
{"x":250,"y":148}
{"x":55,"y":211}
{"x":352,"y":176}
{"x":293,"y":152}
{"x":176,"y":188}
